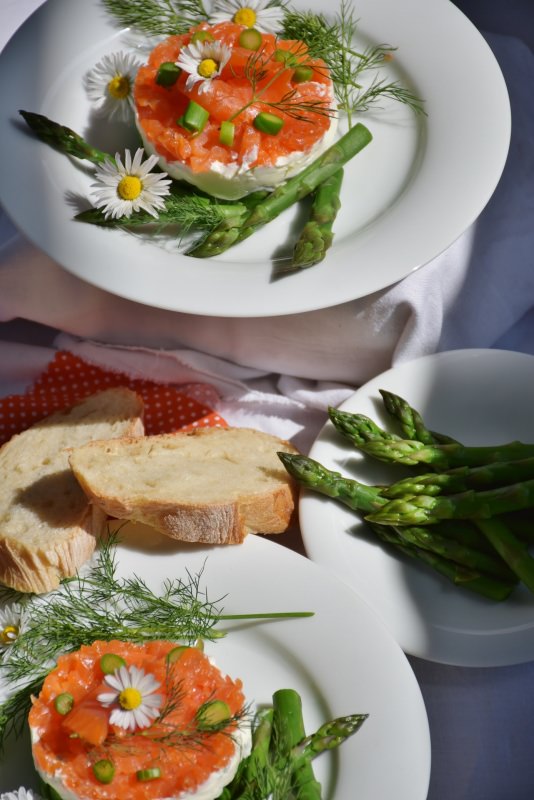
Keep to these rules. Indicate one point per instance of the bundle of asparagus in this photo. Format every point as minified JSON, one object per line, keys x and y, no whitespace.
{"x":280,"y":763}
{"x":470,"y":518}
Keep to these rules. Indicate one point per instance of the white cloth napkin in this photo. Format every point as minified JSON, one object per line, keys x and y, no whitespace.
{"x":476,"y":294}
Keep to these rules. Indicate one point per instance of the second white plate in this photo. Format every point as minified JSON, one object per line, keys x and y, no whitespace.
{"x":478,"y":397}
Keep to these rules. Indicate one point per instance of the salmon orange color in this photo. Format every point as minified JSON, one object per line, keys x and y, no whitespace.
{"x":279,"y":72}
{"x":178,"y":756}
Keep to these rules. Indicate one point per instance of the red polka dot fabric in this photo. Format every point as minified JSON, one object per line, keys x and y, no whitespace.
{"x":69,"y":379}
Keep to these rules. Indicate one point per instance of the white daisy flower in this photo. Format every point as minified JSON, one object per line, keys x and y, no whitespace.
{"x":263,"y":15}
{"x":20,"y":794}
{"x":120,"y":189}
{"x":12,"y":618}
{"x":203,"y":61}
{"x":133,"y":696}
{"x":109,"y":85}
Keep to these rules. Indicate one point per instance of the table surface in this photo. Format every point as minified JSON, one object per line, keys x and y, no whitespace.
{"x":481,"y":721}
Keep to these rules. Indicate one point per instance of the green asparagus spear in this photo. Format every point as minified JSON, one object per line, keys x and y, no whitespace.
{"x":462,"y":546}
{"x":424,"y":509}
{"x":432,"y":539}
{"x":358,"y":428}
{"x":313,"y":475}
{"x":288,"y":193}
{"x":411,"y":421}
{"x":511,"y":549}
{"x":328,"y":736}
{"x":492,"y":588}
{"x":316,"y":237}
{"x":521,"y":523}
{"x":62,"y":138}
{"x":288,"y":732}
{"x":461,"y":479}
{"x":444,"y":456}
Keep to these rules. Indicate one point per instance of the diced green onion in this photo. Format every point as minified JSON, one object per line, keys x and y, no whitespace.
{"x":104,"y":770}
{"x":285,"y":56}
{"x":212,"y":713}
{"x":168,"y":73}
{"x":111,"y":662}
{"x":227,"y":133}
{"x":63,"y":703}
{"x":202,"y":36}
{"x":194,"y":117}
{"x":150,"y":774}
{"x":268,"y":123}
{"x":176,"y":653}
{"x":302,"y":73}
{"x":250,"y":38}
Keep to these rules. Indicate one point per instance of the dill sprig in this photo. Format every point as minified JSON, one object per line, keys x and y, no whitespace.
{"x":101,"y":606}
{"x":183,"y":208}
{"x":157,"y":17}
{"x":333,"y":42}
{"x":254,"y":71}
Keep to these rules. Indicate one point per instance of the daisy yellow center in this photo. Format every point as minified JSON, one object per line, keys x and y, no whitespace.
{"x":9,"y":633}
{"x":245,"y":16}
{"x":130,"y":698}
{"x":119,"y":87}
{"x":207,"y":67}
{"x":129,"y":187}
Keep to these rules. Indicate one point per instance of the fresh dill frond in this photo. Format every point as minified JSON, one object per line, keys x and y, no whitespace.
{"x":157,"y":17}
{"x":185,"y":209}
{"x":333,"y":42}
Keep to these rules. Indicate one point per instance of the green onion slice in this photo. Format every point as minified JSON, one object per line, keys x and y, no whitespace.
{"x":250,"y":38}
{"x":63,"y":703}
{"x":202,"y":36}
{"x":227,"y":133}
{"x":302,"y":73}
{"x":168,"y":73}
{"x":268,"y":123}
{"x":194,"y":118}
{"x":150,"y":774}
{"x":104,"y":770}
{"x":111,"y":662}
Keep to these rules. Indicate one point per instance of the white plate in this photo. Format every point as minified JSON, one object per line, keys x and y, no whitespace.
{"x":406,"y":197}
{"x":341,"y":661}
{"x":478,"y":397}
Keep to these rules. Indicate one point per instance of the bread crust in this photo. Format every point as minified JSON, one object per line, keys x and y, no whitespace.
{"x":228,"y":520}
{"x":48,"y":528}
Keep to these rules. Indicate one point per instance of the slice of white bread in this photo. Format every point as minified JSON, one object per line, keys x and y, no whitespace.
{"x":48,"y":528}
{"x":212,"y":485}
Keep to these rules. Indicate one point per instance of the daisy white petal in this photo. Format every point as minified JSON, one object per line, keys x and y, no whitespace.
{"x":109,"y":85}
{"x":263,"y":15}
{"x":134,"y":701}
{"x":120,"y":189}
{"x":20,"y":794}
{"x":203,"y":61}
{"x":12,"y":620}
